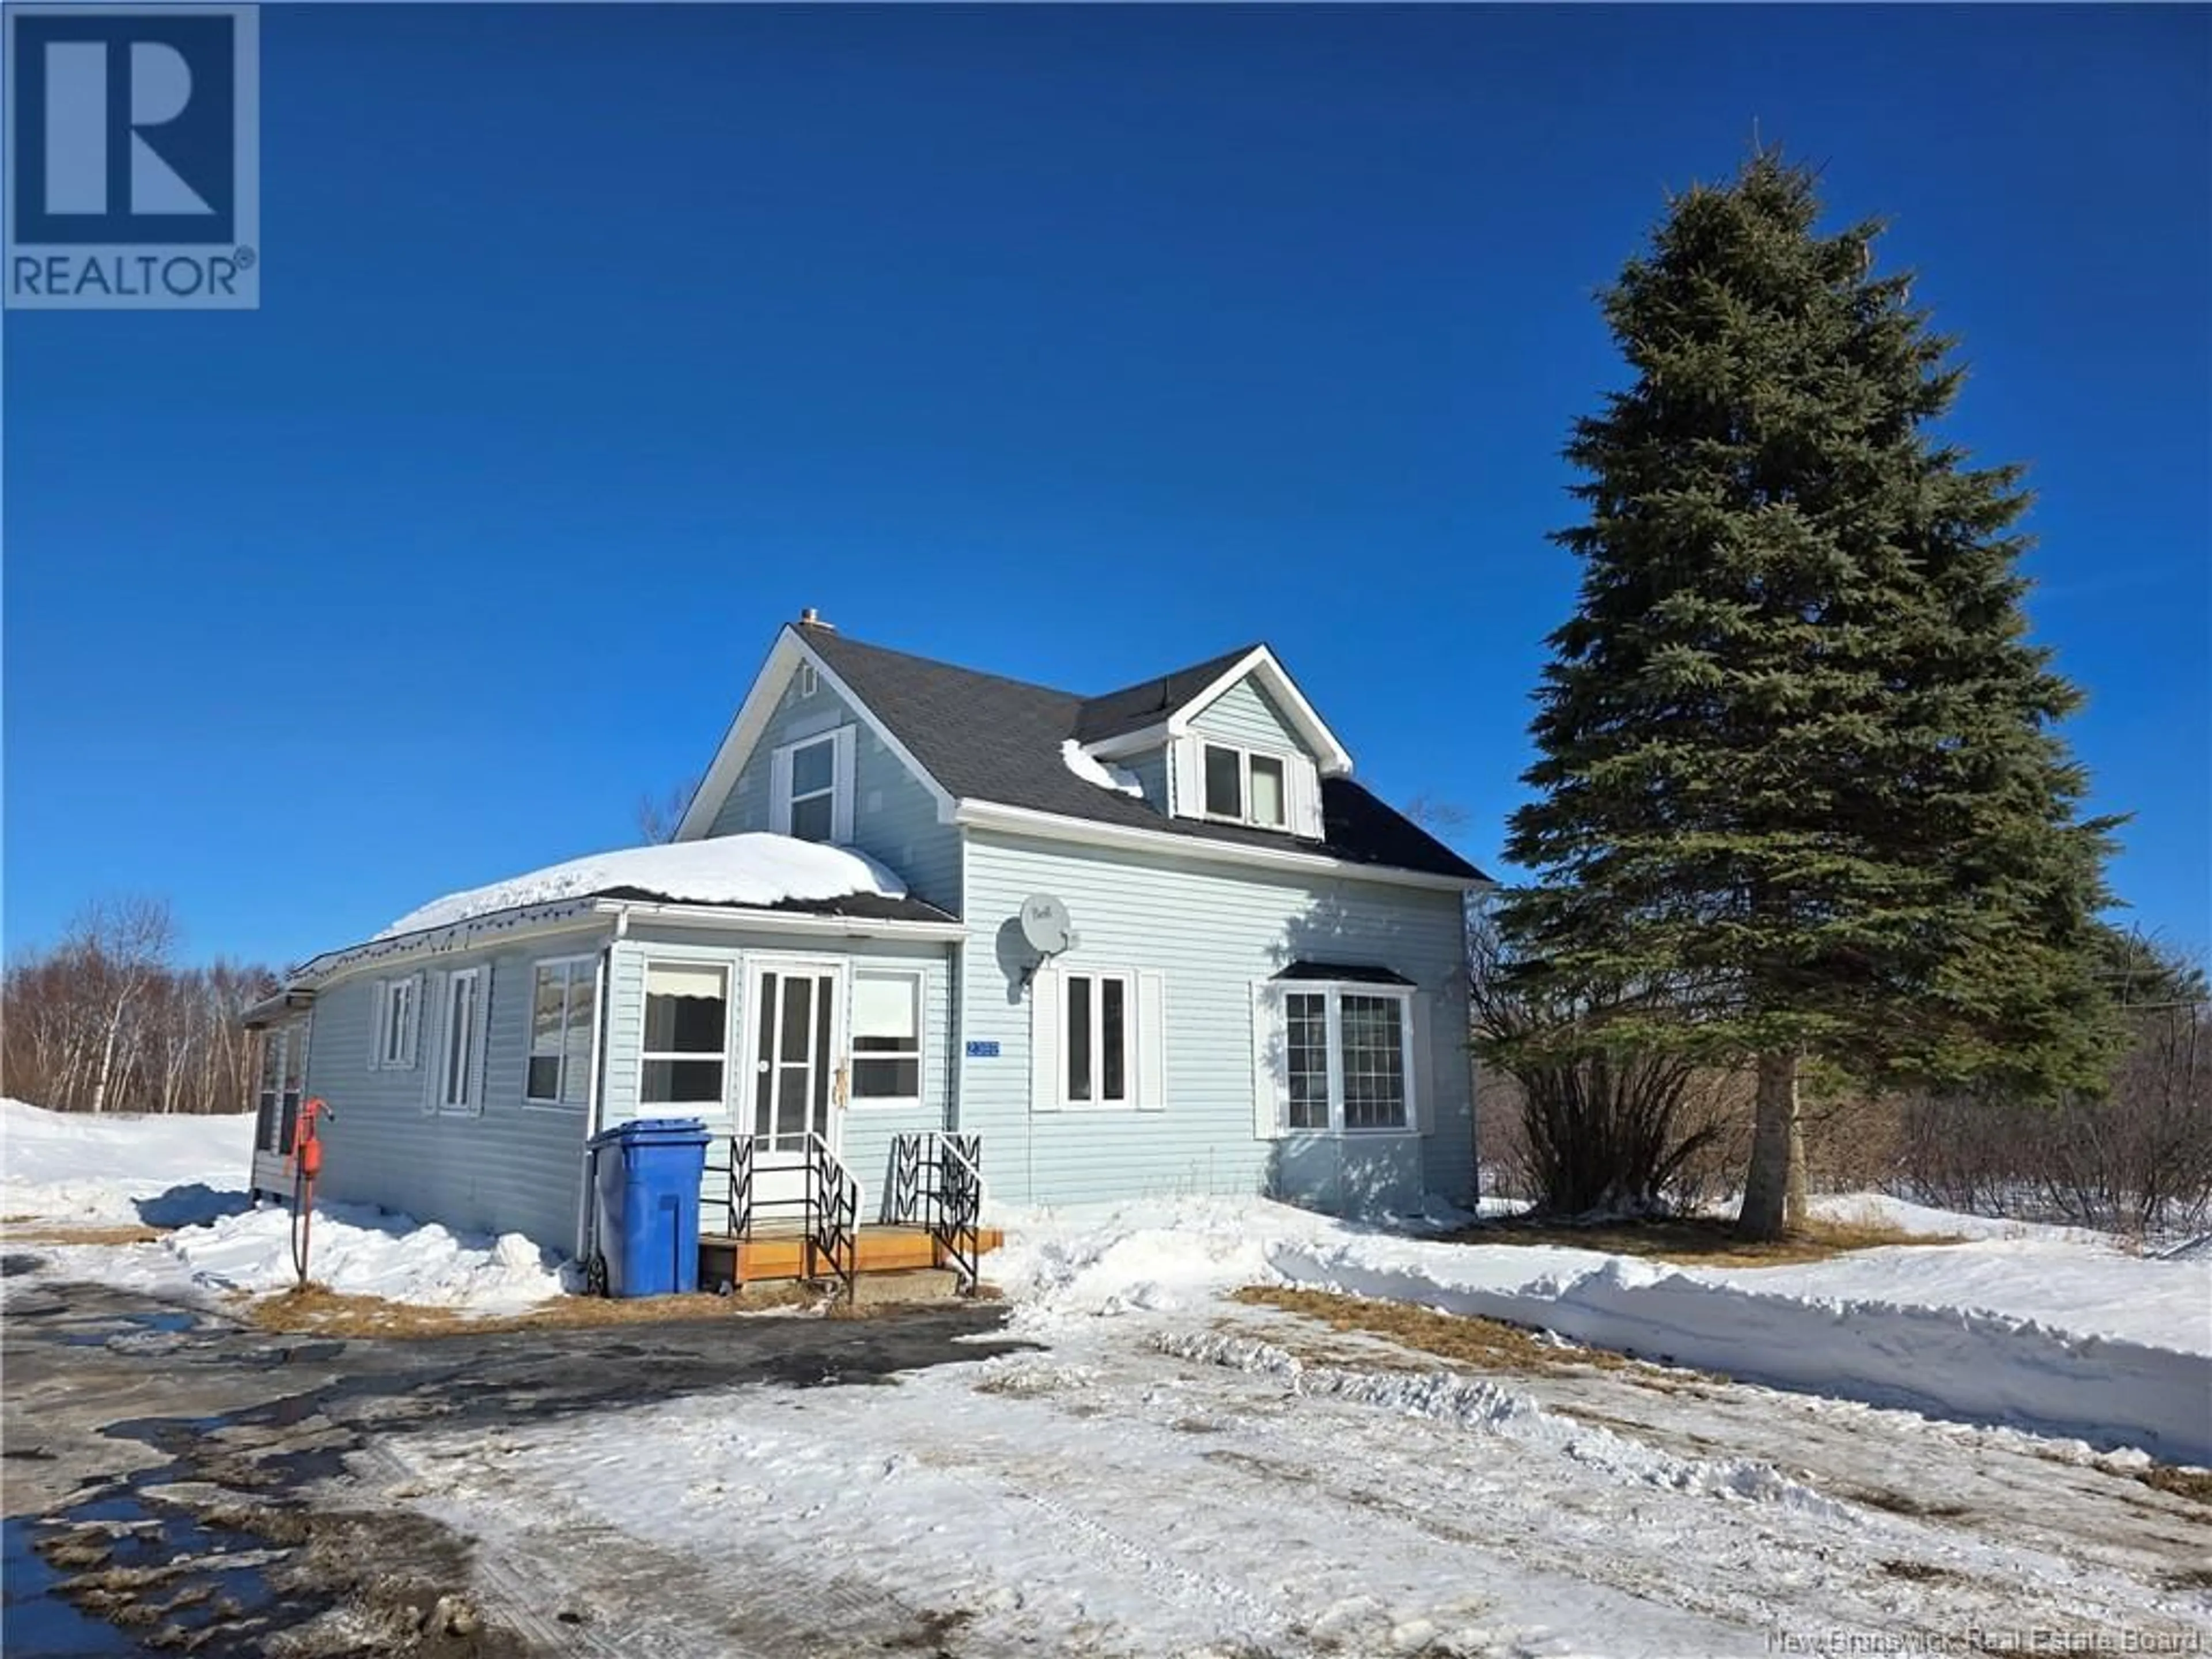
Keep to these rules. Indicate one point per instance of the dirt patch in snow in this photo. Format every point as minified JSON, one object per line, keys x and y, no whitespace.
{"x":12,"y":1234}
{"x":319,"y":1311}
{"x":1488,"y":1345}
{"x":2195,"y":1485}
{"x":1702,"y":1240}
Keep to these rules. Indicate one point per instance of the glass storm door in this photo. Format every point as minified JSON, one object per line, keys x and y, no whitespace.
{"x":797,"y":1081}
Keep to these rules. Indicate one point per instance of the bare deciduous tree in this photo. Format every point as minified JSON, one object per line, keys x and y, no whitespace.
{"x":102,"y":1022}
{"x":1437,"y":815}
{"x":658,"y":816}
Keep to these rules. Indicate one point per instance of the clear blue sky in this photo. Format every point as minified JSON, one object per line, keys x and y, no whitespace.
{"x":1069,"y":344}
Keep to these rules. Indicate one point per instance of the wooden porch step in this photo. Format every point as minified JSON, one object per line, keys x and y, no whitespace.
{"x":774,"y":1255}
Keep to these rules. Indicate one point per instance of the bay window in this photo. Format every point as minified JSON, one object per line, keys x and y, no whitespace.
{"x":1334,"y":1057}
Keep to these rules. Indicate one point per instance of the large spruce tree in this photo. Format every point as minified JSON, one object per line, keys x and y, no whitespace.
{"x":1798,"y":777}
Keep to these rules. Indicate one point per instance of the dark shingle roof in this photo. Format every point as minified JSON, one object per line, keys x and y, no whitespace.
{"x":985,"y":737}
{"x":1352,"y":973}
{"x":1148,"y":702}
{"x":866,"y":906}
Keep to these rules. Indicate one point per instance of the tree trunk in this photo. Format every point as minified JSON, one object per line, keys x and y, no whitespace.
{"x":1793,"y":1209}
{"x":1765,"y":1213}
{"x":107,"y":1057}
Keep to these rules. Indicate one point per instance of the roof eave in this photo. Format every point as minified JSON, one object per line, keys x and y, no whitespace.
{"x":742,"y":919}
{"x":791,"y":648}
{"x":1055,"y":826}
{"x":1330,"y":755}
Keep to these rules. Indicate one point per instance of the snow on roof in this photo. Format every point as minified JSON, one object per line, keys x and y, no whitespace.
{"x":1107,"y":775}
{"x":757,"y":871}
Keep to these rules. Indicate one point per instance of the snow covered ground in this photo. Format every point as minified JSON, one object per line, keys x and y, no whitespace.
{"x":115,"y":1170}
{"x":1952,"y":1447}
{"x":69,"y":1170}
{"x":1169,"y":1474}
{"x":2046,"y":1328}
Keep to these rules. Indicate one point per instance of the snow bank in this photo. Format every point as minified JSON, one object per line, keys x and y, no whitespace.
{"x":749,"y":869}
{"x":1479,"y":1405}
{"x":118,"y":1169}
{"x":1107,"y":775}
{"x":358,"y":1250}
{"x":2063,"y":1335}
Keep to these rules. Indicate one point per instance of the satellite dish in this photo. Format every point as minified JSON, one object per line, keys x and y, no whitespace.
{"x":1044,"y":925}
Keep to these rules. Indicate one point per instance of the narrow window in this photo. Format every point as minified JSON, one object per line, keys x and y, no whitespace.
{"x":1113,"y":1040}
{"x":268,"y":1128}
{"x":1306,"y":1061}
{"x":457,"y":1075}
{"x":814,"y":790}
{"x":1267,"y":792}
{"x":1224,"y":782}
{"x":294,"y":1069}
{"x":686,"y":1026}
{"x":886,"y":1037}
{"x":396,"y":1016}
{"x":1078,"y":1037}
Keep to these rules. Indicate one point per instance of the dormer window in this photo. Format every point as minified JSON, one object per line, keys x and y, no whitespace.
{"x":1246,"y":788}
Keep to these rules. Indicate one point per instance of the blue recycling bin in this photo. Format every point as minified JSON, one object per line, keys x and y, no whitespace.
{"x":646,"y":1177}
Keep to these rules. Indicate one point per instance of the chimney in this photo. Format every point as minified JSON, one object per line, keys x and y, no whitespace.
{"x":810,"y":617}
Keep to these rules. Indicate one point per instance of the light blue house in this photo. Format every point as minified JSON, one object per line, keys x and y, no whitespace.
{"x":1262,"y":988}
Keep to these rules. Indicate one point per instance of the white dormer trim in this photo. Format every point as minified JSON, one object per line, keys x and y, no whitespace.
{"x":785,"y":657}
{"x":1333,"y":758}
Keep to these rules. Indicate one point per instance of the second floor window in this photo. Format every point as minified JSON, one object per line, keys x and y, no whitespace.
{"x":1247,"y":787}
{"x":814,"y":790}
{"x":811,"y":787}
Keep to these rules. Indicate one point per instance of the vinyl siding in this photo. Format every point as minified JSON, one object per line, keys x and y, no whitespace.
{"x":893,"y":814}
{"x":1211,"y":931}
{"x":1152,"y":771}
{"x":506,"y":1169}
{"x":866,"y":1132}
{"x":1246,"y":714}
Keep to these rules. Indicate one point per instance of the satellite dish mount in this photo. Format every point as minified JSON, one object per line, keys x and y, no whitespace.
{"x":1045,"y":926}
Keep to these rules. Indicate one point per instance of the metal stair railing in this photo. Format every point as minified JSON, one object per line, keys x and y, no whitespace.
{"x":828,"y":1200}
{"x":833,"y":1212}
{"x":936,"y":1182}
{"x":738,"y":1195}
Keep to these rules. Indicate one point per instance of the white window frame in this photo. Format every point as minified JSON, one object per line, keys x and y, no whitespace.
{"x":391,"y":994}
{"x":586,"y":968}
{"x":918,"y":979}
{"x":1335,"y":991}
{"x":1245,"y":756}
{"x":728,"y":969}
{"x":469,"y":1101}
{"x":1099,"y":976}
{"x":805,"y":680}
{"x":843,"y":743}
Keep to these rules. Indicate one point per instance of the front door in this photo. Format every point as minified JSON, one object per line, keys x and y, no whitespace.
{"x":797,"y":1077}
